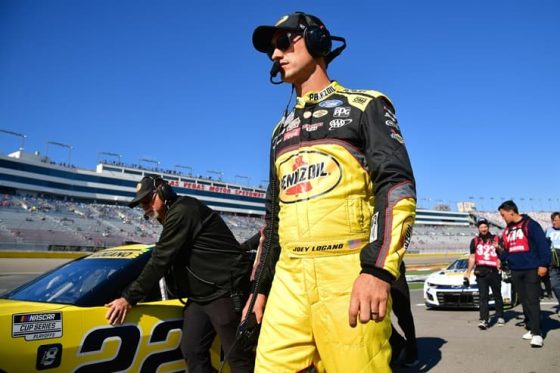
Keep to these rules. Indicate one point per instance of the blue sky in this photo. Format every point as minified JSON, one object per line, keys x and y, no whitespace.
{"x":476,"y":86}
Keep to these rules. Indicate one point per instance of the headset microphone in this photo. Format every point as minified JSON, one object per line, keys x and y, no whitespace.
{"x":337,"y":51}
{"x":274,"y":70}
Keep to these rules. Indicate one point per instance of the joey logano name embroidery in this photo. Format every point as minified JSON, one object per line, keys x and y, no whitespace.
{"x":301,"y":249}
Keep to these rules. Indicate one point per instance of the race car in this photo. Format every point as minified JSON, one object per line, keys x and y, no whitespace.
{"x":445,"y":288}
{"x":56,"y":322}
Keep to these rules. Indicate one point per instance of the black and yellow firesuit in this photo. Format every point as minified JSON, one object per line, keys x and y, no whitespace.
{"x":341,"y":201}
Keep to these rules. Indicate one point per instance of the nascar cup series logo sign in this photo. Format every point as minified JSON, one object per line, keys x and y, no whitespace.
{"x":34,"y":326}
{"x":307,"y":175}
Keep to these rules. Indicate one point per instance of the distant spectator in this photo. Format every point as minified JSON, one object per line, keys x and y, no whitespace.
{"x":553,"y":235}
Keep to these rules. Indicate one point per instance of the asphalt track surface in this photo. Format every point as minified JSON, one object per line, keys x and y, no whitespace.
{"x":448,"y":340}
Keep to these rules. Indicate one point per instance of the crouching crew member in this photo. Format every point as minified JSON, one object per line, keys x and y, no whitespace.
{"x":200,"y":259}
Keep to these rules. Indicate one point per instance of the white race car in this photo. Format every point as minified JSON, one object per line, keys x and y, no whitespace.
{"x":445,"y":288}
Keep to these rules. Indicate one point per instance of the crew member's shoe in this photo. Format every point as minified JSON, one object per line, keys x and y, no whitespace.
{"x":536,"y":341}
{"x":483,"y":325}
{"x":528,"y":335}
{"x":407,"y":358}
{"x":501,"y":321}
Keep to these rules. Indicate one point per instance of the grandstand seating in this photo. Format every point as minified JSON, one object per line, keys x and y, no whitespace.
{"x":440,"y":239}
{"x":34,"y":223}
{"x":543,"y":218}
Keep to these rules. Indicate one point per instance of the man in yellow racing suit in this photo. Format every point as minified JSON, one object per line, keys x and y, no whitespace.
{"x":340,"y":208}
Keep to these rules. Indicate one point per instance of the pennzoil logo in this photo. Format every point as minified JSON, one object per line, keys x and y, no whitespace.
{"x":307,"y":175}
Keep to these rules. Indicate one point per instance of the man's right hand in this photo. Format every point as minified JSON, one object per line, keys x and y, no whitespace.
{"x":258,"y":307}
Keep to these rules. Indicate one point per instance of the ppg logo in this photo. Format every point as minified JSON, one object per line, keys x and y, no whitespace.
{"x":341,"y":112}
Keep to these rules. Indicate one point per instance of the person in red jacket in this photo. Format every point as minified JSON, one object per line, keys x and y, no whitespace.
{"x":528,"y":255}
{"x":484,"y":258}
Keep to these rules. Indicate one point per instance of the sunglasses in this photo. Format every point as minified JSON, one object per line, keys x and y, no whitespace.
{"x":147,"y":200}
{"x":283,"y":42}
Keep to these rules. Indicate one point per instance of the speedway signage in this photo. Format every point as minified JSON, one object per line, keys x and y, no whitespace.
{"x":216,"y":189}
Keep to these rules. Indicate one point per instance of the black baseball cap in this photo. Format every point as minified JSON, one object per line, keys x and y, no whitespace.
{"x":482,"y":221}
{"x":262,"y":36}
{"x":146,"y":186}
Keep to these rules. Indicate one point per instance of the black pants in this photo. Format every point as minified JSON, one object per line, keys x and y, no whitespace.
{"x":528,"y":285}
{"x":200,"y":324}
{"x":490,"y":279}
{"x":400,"y":294}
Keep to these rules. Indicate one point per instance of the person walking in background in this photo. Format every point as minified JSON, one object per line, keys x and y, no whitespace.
{"x":484,"y":259}
{"x":553,"y":236}
{"x":527,"y":252}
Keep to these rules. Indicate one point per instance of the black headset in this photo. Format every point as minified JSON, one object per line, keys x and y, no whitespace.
{"x":318,"y":41}
{"x":317,"y":38}
{"x":162,"y":189}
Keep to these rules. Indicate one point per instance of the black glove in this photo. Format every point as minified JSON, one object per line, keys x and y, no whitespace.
{"x":248,"y":333}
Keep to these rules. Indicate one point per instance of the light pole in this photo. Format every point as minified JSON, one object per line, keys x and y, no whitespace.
{"x":242,"y":177}
{"x":110,"y":154}
{"x":220,"y":173}
{"x":186,"y":167}
{"x":69,"y":147}
{"x":148,"y":160}
{"x":23,"y":137}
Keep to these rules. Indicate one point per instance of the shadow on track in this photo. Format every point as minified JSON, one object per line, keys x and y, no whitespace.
{"x":429,"y":353}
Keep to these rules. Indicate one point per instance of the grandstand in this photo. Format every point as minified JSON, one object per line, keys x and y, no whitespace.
{"x":48,"y":206}
{"x":42,"y":223}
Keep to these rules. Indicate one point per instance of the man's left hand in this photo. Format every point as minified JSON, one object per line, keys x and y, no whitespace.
{"x":368,"y":299}
{"x":542,"y":271}
{"x":117,"y":311}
